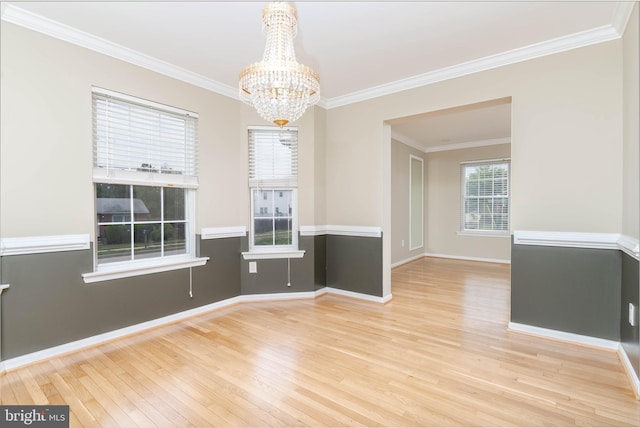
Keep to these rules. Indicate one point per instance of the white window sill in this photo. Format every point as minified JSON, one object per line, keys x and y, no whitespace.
{"x":134,"y":269}
{"x":485,"y":234}
{"x":262,"y":255}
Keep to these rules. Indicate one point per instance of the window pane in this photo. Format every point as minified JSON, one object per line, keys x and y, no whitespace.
{"x":174,"y":204}
{"x":500,"y":186}
{"x":263,"y":232}
{"x":113,"y":203}
{"x":472,"y":188}
{"x":262,"y":203}
{"x":148,"y":240}
{"x":471,"y":205}
{"x":283,"y":232}
{"x":114,"y":243}
{"x":485,"y":188}
{"x":283,"y":203}
{"x":500,"y":205}
{"x":146,"y":203}
{"x":175,"y":239}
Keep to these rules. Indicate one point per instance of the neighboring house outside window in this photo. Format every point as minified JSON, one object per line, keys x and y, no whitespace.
{"x":273,"y":175}
{"x":145,"y":177}
{"x":485,"y":197}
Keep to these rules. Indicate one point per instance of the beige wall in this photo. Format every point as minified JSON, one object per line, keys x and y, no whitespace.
{"x":400,"y":201}
{"x":566,"y":140}
{"x":320,"y":121}
{"x":631,"y":131}
{"x":443,"y":215}
{"x":46,"y":138}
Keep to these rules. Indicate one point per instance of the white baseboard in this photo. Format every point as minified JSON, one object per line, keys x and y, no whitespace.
{"x":360,"y":296}
{"x":564,"y":336}
{"x":405,"y":261}
{"x":473,"y":259}
{"x":77,"y":345}
{"x":277,"y":296}
{"x":55,"y":351}
{"x":631,"y":373}
{"x":595,"y":342}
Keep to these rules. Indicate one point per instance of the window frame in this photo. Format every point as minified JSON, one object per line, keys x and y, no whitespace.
{"x":294,"y":222}
{"x":125,"y":176}
{"x":463,"y":198}
{"x":276,"y":186}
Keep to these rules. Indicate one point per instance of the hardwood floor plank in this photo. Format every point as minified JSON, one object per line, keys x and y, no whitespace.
{"x":438,"y":354}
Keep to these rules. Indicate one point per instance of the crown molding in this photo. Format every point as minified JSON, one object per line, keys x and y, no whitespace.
{"x":32,"y":21}
{"x":407,"y":141}
{"x":15,"y":15}
{"x":468,"y":145}
{"x":537,"y":50}
{"x":621,"y":16}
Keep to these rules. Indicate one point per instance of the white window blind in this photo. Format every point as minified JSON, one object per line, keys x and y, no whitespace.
{"x":273,"y":157}
{"x":485,"y":196}
{"x":138,"y":141}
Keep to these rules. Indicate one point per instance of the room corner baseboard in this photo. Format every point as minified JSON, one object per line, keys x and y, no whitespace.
{"x":66,"y":348}
{"x":360,"y":296}
{"x":564,"y":336}
{"x":631,"y":373}
{"x":405,"y":261}
{"x":472,"y":259}
{"x":77,"y":345}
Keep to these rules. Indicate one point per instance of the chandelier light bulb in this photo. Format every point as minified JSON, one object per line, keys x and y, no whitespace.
{"x":278,"y":87}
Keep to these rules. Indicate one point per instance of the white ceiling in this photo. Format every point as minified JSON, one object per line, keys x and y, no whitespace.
{"x":361,"y":49}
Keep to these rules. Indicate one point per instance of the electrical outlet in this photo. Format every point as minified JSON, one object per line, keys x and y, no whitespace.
{"x":403,"y":242}
{"x":633,"y":314}
{"x":253,"y":267}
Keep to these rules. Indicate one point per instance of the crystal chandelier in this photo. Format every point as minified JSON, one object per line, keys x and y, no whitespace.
{"x":278,"y":87}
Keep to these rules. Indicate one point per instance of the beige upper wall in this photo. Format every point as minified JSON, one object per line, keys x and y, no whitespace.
{"x":567,"y":122}
{"x":320,"y":202}
{"x":631,"y":131}
{"x":566,"y":140}
{"x":46,"y":138}
{"x":444,"y":198}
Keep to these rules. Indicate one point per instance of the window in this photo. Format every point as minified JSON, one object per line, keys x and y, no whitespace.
{"x":145,"y":174}
{"x":273,"y":180}
{"x":158,"y":229}
{"x":485,"y":196}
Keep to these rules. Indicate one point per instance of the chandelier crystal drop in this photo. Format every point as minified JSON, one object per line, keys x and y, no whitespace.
{"x":278,"y":87}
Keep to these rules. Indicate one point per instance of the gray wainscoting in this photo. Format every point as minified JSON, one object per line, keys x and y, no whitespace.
{"x":355,"y":264}
{"x":628,"y":334}
{"x":575,"y":290}
{"x":320,"y":268}
{"x":272,"y":274}
{"x":49,"y":304}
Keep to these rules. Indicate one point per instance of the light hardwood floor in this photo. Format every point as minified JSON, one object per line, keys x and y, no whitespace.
{"x":438,"y":354}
